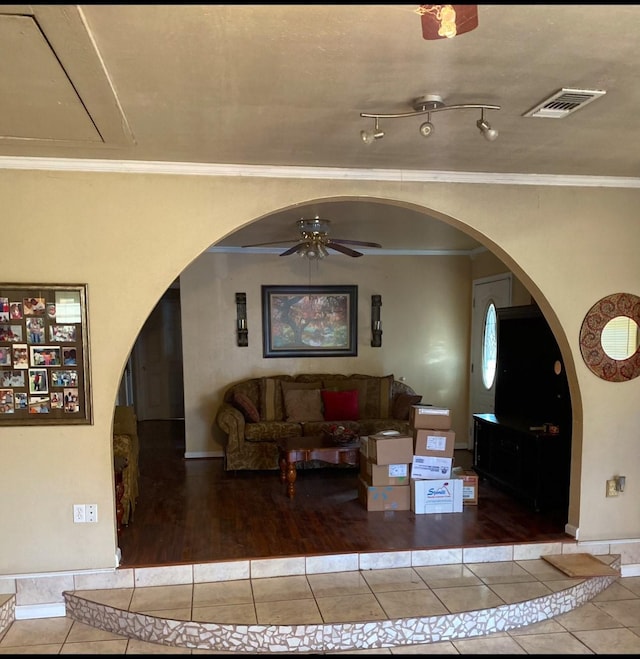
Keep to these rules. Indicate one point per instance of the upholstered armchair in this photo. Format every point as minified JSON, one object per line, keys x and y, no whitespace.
{"x":126,"y":445}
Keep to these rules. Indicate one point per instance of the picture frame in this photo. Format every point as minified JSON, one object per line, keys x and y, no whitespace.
{"x":310,"y":321}
{"x":44,"y":355}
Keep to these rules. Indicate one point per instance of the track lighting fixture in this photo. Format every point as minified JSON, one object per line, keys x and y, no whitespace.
{"x":428,"y":104}
{"x":484,"y":126}
{"x":369,"y":136}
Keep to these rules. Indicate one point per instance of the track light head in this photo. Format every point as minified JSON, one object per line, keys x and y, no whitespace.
{"x":369,"y":136}
{"x":490,"y":134}
{"x":426,"y":128}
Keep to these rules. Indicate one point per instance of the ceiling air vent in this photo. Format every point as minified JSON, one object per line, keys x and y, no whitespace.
{"x":564,"y":102}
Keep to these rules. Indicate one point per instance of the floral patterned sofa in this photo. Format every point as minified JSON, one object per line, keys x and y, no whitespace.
{"x":257,"y":411}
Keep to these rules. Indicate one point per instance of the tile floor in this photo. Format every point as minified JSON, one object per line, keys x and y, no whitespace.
{"x":608,"y":624}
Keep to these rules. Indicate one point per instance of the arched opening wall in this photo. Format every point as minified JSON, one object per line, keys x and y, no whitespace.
{"x":128,"y":236}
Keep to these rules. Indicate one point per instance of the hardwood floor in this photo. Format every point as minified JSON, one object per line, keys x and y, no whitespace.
{"x":192,"y":511}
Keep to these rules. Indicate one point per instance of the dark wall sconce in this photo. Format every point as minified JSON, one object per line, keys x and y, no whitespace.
{"x":241,"y":329}
{"x":376,"y":323}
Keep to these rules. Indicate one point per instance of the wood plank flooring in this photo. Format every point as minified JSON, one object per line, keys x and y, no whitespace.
{"x":192,"y":511}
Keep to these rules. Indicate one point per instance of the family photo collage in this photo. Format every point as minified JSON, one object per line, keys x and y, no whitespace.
{"x":42,"y":355}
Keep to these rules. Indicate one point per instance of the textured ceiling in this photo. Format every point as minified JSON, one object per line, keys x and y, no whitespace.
{"x":285,"y":84}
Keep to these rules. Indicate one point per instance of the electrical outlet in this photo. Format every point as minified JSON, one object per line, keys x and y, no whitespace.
{"x":611,"y":488}
{"x":79,"y":516}
{"x":92,"y":512}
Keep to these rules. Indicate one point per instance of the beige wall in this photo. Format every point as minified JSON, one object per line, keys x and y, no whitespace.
{"x":128,"y":236}
{"x":425,"y":316}
{"x":487,"y":264}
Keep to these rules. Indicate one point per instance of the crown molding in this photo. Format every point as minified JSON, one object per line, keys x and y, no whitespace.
{"x":333,"y":173}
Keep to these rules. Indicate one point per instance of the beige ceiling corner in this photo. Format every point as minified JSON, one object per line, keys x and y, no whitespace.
{"x":57,"y":89}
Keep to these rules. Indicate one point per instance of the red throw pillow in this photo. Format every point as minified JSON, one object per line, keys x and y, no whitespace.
{"x":340,"y":405}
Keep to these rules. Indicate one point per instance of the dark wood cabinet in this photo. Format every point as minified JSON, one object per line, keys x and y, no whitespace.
{"x":512,"y":448}
{"x":531,"y":464}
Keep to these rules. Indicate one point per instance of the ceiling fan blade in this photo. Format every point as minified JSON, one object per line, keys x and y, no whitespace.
{"x":291,"y":250}
{"x":355,"y":242}
{"x":341,"y":248}
{"x":277,"y":242}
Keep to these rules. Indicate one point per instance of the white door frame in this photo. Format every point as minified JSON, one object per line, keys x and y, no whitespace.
{"x":496,"y":289}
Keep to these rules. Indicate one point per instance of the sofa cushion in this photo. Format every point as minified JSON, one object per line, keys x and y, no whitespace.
{"x":246,"y":406}
{"x":340,"y":405}
{"x":303,"y":405}
{"x":402,"y":404}
{"x":269,"y":431}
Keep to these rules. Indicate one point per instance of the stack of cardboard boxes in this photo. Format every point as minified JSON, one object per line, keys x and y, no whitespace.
{"x":385,"y":471}
{"x":433,"y":490}
{"x":415,"y":472}
{"x":436,"y":486}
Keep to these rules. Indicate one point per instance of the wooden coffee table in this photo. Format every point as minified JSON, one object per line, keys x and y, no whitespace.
{"x":316,"y":447}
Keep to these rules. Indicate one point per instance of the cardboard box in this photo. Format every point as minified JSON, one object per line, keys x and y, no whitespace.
{"x":426,"y":466}
{"x":385,"y":497}
{"x":469,"y":485}
{"x":373,"y":474}
{"x":436,"y":496}
{"x":427,"y":416}
{"x":389,"y":450}
{"x":436,"y":443}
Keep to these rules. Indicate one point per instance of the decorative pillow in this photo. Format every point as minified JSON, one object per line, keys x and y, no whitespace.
{"x":288,"y":386}
{"x":348,"y":384}
{"x":246,"y":406}
{"x":377,"y":403}
{"x":402,"y":404}
{"x":303,"y":405}
{"x":340,"y":405}
{"x":271,"y":402}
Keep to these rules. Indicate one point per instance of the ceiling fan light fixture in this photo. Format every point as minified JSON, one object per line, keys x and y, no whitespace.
{"x":447,"y":21}
{"x":314,"y":242}
{"x":302,"y":250}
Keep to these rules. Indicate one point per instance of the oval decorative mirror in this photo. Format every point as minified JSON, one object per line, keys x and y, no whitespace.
{"x":609,"y":337}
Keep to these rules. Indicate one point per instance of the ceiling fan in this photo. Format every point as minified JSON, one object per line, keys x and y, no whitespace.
{"x":314,"y":242}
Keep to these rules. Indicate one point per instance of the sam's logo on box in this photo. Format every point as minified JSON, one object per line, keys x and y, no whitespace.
{"x":440,"y":492}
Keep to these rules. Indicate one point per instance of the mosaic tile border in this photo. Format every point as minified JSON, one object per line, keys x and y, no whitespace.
{"x":333,"y":637}
{"x":7,"y":613}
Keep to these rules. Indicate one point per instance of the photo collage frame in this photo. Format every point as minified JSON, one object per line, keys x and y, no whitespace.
{"x":44,"y":356}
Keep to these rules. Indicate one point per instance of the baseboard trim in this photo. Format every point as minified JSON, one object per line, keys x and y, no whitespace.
{"x":31,"y":611}
{"x":571,"y":530}
{"x":204,"y":454}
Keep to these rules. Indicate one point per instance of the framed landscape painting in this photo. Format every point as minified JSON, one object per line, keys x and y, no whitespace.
{"x":310,"y":321}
